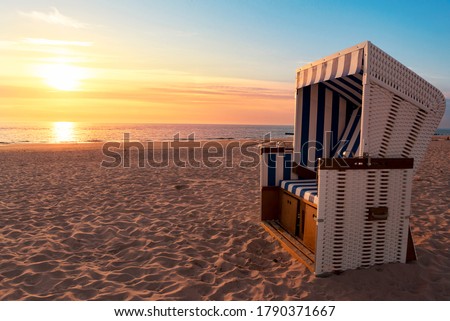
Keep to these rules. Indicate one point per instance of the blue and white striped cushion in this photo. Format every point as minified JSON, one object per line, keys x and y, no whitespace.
{"x":306,"y":189}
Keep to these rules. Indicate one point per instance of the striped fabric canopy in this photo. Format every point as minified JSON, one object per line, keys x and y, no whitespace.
{"x":329,"y":99}
{"x":350,"y":139}
{"x":328,"y":120}
{"x":343,"y":65}
{"x":349,"y":87}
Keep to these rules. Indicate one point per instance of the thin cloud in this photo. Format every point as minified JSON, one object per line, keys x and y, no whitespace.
{"x":54,"y":17}
{"x":50,"y":42}
{"x":5,"y":44}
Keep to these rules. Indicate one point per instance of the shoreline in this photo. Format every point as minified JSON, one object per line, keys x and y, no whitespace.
{"x":98,"y":145}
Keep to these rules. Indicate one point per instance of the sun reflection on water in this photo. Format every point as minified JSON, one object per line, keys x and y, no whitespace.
{"x":63,"y":132}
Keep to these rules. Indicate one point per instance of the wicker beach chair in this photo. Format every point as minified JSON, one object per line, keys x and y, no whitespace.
{"x":340,"y":198}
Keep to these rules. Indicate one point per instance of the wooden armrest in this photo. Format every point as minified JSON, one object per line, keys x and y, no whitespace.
{"x":303,"y":172}
{"x":274,"y":149}
{"x":365,"y":163}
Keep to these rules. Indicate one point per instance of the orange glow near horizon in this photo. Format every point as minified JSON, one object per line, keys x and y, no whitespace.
{"x":78,"y":93}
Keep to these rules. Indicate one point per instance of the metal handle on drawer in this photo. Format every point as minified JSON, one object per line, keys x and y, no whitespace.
{"x":378,"y":213}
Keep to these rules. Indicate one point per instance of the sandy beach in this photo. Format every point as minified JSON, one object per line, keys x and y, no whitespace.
{"x":72,"y":230}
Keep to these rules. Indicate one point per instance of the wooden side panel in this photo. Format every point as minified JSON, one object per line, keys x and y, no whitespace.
{"x":289,"y":213}
{"x":301,"y":220}
{"x":310,"y":227}
{"x":270,"y":203}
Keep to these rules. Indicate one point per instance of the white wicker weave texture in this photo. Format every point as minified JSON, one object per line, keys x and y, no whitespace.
{"x":396,"y":127}
{"x":402,"y":81}
{"x":403,"y":109}
{"x":346,"y":238}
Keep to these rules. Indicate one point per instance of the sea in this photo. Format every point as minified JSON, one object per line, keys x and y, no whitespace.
{"x":443,"y":132}
{"x":73,"y":132}
{"x":70,"y":132}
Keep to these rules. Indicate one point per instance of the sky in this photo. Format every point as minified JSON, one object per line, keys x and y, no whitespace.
{"x":196,"y":61}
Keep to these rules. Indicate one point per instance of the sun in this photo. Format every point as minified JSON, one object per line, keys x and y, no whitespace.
{"x":62,"y":76}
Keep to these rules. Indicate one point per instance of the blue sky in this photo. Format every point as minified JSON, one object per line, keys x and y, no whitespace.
{"x":260,"y":41}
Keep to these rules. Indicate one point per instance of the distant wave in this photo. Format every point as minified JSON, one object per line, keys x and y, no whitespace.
{"x":218,"y":138}
{"x":442,"y":131}
{"x":94,"y":141}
